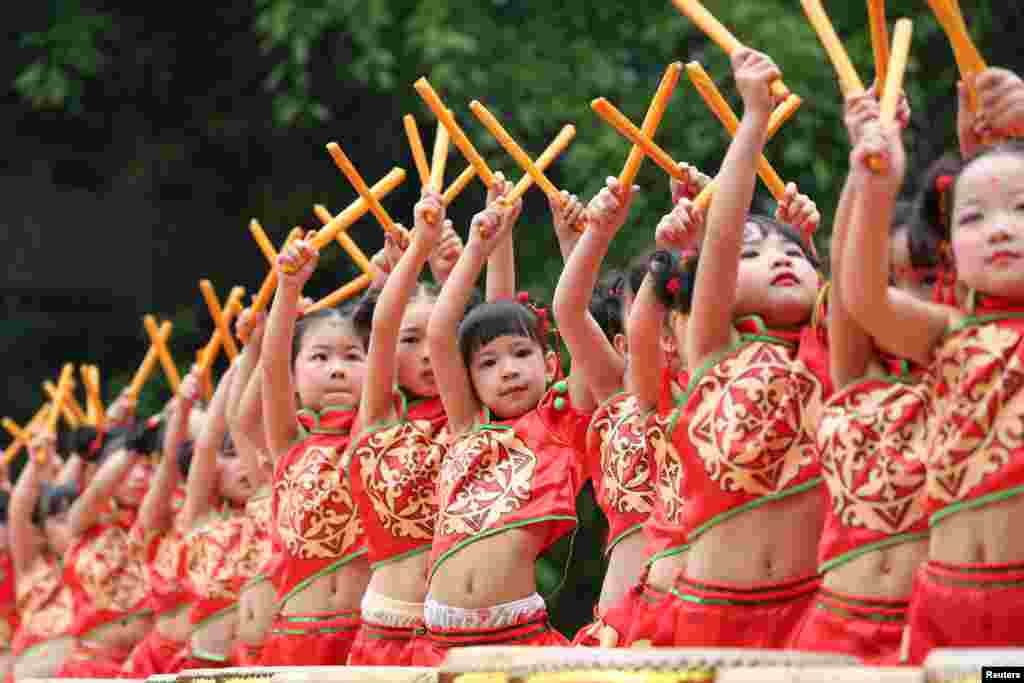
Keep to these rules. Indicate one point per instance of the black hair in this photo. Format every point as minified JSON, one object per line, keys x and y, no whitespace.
{"x":184,"y":457}
{"x":770,"y":226}
{"x":54,"y":500}
{"x":488,"y":321}
{"x":922,"y":239}
{"x":5,"y":504}
{"x":362,"y":313}
{"x":637,"y":270}
{"x":674,"y":276}
{"x":87,"y":442}
{"x":606,"y":304}
{"x":115,"y":440}
{"x":145,"y":437}
{"x":305,"y":323}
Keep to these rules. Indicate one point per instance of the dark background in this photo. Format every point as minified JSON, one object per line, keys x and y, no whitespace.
{"x":139,"y":142}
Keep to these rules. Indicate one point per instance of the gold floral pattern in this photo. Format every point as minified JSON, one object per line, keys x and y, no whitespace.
{"x":669,"y":468}
{"x":210,"y":554}
{"x":486,"y":474}
{"x":109,"y":573}
{"x":980,"y":406}
{"x":398,"y":467}
{"x":755,"y":423}
{"x":256,"y":544}
{"x":44,"y":601}
{"x":626,"y":484}
{"x":316,"y":515}
{"x":873,"y":447}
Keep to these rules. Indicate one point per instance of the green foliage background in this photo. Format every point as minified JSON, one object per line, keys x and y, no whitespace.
{"x":233,"y":103}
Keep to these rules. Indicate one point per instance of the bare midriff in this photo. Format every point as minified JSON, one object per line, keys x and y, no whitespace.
{"x":339,"y":591}
{"x":488,"y":572}
{"x":984,"y":535}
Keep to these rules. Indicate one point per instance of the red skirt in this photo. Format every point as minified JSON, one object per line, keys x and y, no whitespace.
{"x":962,"y":606}
{"x":188,"y":659}
{"x":153,"y":655}
{"x":716,"y":615}
{"x":870,"y":629}
{"x":533,"y":631}
{"x":643,"y":617}
{"x":247,"y":655}
{"x":377,"y":645}
{"x":310,"y":639}
{"x":88,"y":662}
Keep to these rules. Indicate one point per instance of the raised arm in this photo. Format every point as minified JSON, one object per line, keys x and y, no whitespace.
{"x":156,"y":513}
{"x":88,"y":507}
{"x":279,"y":400}
{"x":453,"y":380}
{"x":245,"y":402}
{"x":24,"y":549}
{"x":202,"y":474}
{"x":376,"y":404}
{"x":715,"y":288}
{"x":501,"y":265}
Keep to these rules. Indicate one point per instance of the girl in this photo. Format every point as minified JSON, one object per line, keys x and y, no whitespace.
{"x":316,"y":363}
{"x":8,"y":595}
{"x":158,"y":533}
{"x":394,"y":462}
{"x":42,"y":640}
{"x":873,"y":445}
{"x":103,"y":571}
{"x":744,"y":429}
{"x":209,"y":566}
{"x":967,"y":593}
{"x":512,"y":469}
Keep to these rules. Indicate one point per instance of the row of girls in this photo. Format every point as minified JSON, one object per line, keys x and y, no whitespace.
{"x":782,"y":463}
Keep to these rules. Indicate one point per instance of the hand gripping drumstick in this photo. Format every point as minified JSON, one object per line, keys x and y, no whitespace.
{"x":444,"y":115}
{"x":894,"y":82}
{"x":519,"y":154}
{"x":879,"y":41}
{"x":651,"y":121}
{"x":170,"y":369}
{"x":627,"y":129}
{"x":714,"y":29}
{"x":266,"y":290}
{"x":149,"y":362}
{"x":968,"y":58}
{"x":781,"y":114}
{"x":849,"y":81}
{"x":71,"y":409}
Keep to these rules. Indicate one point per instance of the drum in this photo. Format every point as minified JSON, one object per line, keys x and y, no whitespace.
{"x":357,"y":674}
{"x":964,"y":665}
{"x":858,"y":674}
{"x":237,"y":675}
{"x":596,"y":665}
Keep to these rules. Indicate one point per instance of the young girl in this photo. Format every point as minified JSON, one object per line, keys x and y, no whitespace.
{"x":873,"y":446}
{"x":316,"y":362}
{"x":967,"y":593}
{"x":509,"y":481}
{"x":394,"y":463}
{"x":8,"y":593}
{"x":103,"y":571}
{"x":42,"y":640}
{"x":744,"y":430}
{"x":158,"y":534}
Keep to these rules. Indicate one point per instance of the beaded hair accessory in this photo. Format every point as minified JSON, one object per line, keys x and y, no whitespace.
{"x":544,"y":323}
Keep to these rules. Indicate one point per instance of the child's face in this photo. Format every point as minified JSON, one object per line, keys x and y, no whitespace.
{"x":330,"y":365}
{"x":988,"y":226}
{"x":775,"y":279}
{"x":918,"y":282}
{"x":510,"y":375}
{"x":415,"y":373}
{"x":234,"y":479}
{"x":135,"y":484}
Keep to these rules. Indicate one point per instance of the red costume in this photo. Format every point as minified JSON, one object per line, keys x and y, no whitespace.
{"x":507,"y":475}
{"x":746,"y":434}
{"x":8,"y":600}
{"x":976,"y":458}
{"x":873,"y":447}
{"x":318,"y":530}
{"x":44,"y":606}
{"x":107,"y":583}
{"x":256,"y":554}
{"x":393,"y":470}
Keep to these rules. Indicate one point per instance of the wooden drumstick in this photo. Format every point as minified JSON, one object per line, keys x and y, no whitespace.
{"x":347,"y":243}
{"x":357,"y":209}
{"x":419,"y":156}
{"x":459,"y":184}
{"x":849,"y":81}
{"x":232,"y":307}
{"x":553,"y":151}
{"x":894,"y":82}
{"x":226,"y":338}
{"x":627,"y":129}
{"x":651,"y":122}
{"x":429,"y":95}
{"x":26,"y":434}
{"x":440,"y":158}
{"x":63,"y":389}
{"x":71,"y":409}
{"x":714,"y":29}
{"x":968,"y":57}
{"x":163,"y":355}
{"x":879,"y":41}
{"x":149,"y":362}
{"x":94,"y":402}
{"x":345,"y":164}
{"x":345,"y":292}
{"x":266,"y":290}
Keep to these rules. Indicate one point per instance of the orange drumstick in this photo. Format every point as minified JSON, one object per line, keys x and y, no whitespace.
{"x":262,"y":298}
{"x":346,"y":166}
{"x":356,"y":209}
{"x":90,"y":377}
{"x":419,"y":156}
{"x":456,"y":133}
{"x":894,"y":82}
{"x":70,"y":409}
{"x":626,"y":128}
{"x":226,"y":338}
{"x":263,"y":242}
{"x":339,"y":295}
{"x":163,"y":355}
{"x":232,"y":307}
{"x":968,"y":58}
{"x":26,"y":434}
{"x":440,"y":158}
{"x":347,"y":243}
{"x":149,"y":362}
{"x":651,"y":121}
{"x":714,"y":29}
{"x":849,"y":81}
{"x":63,"y":389}
{"x":879,"y":40}
{"x":458,"y":185}
{"x":556,"y":147}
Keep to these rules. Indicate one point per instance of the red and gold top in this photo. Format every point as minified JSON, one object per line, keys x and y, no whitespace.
{"x":257,"y":548}
{"x":393,"y":469}
{"x":664,"y":529}
{"x":510,"y":474}
{"x":620,"y":465}
{"x":746,"y":429}
{"x":161,"y":554}
{"x":8,"y":600}
{"x":977,"y":449}
{"x":316,"y":524}
{"x":428,"y":414}
{"x":105,"y":574}
{"x":209,"y":564}
{"x":44,"y":605}
{"x":873,"y":446}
